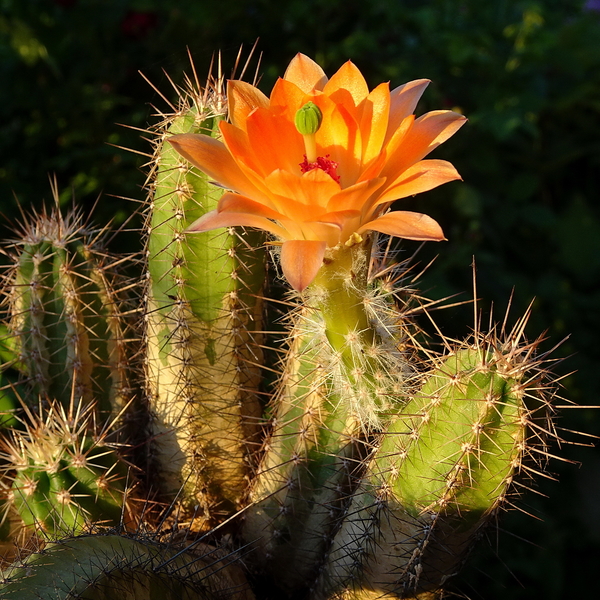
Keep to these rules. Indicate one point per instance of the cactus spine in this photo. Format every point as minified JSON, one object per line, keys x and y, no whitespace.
{"x":204,"y":325}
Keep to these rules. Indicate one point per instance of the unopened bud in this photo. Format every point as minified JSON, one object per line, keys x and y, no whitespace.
{"x":308,"y":119}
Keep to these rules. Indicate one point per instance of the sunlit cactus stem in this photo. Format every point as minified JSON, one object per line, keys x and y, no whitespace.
{"x":62,"y":478}
{"x":203,"y":325}
{"x":364,"y":331}
{"x":311,"y":462}
{"x":444,"y":467}
{"x":65,"y":315}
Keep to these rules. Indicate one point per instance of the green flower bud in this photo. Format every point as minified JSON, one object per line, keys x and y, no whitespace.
{"x":308,"y":119}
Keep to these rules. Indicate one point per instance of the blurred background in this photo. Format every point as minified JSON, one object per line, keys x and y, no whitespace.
{"x":527,"y":75}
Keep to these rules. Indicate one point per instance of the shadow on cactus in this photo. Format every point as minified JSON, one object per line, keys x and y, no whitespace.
{"x":318,"y":432}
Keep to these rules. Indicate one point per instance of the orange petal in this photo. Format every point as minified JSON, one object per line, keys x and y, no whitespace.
{"x":348,"y":82}
{"x":339,"y":137}
{"x":288,"y":98}
{"x":354,"y":197}
{"x":426,"y":134}
{"x":373,"y":120}
{"x":274,"y":141}
{"x":213,"y":158}
{"x":407,"y":225}
{"x":421,"y":177}
{"x":242,"y":99}
{"x":305,"y":73}
{"x":237,"y":142}
{"x":403,"y":101}
{"x":236,"y":203}
{"x":312,"y":189}
{"x":337,"y":218}
{"x":301,"y":260}
{"x":214,"y":220}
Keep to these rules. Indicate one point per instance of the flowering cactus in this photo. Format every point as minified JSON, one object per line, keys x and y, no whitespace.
{"x":366,"y":151}
{"x":376,"y":462}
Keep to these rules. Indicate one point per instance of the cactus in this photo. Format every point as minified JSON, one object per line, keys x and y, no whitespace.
{"x":64,"y":480}
{"x":443,"y":470}
{"x":342,"y":373}
{"x":64,"y":314}
{"x":375,"y":464}
{"x":204,"y":323}
{"x":113,"y":567}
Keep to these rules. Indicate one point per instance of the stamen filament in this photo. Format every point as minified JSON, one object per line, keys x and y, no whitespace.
{"x":310,"y":145}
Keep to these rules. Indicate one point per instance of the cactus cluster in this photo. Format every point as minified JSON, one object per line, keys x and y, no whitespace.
{"x":338,"y":456}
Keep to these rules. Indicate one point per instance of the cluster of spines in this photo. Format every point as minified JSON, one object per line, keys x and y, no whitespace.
{"x":203,"y":327}
{"x":61,"y":478}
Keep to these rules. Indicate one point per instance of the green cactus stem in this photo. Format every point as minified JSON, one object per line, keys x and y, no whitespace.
{"x":341,"y":372}
{"x":444,"y":468}
{"x":365,"y":332}
{"x":309,"y":466}
{"x":204,"y":327}
{"x":112,"y":567}
{"x":63,"y":480}
{"x":65,"y":315}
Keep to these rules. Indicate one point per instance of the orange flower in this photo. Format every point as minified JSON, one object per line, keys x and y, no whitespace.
{"x":315,"y":191}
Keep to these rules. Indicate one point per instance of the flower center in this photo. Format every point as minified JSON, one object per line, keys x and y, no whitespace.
{"x":322,"y":162}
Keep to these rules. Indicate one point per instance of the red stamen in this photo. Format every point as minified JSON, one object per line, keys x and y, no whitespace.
{"x":323,"y":163}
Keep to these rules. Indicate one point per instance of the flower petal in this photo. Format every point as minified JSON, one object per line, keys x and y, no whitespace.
{"x":373,"y":120}
{"x":339,"y":137}
{"x":274,"y":141}
{"x":355,"y":196}
{"x":242,"y":99}
{"x":313,"y":188}
{"x":347,"y":86}
{"x":421,"y":177}
{"x":305,"y":73}
{"x":213,"y":158}
{"x":403,"y":101}
{"x":287,"y":98}
{"x":426,"y":134}
{"x":407,"y":225}
{"x":301,"y":260}
{"x":236,"y":203}
{"x":214,"y":220}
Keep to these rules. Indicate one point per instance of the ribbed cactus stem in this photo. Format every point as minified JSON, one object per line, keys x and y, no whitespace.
{"x":204,"y":322}
{"x":112,"y":567}
{"x":373,"y":372}
{"x":64,"y":480}
{"x":340,"y":289}
{"x":308,"y":471}
{"x":444,"y":467}
{"x":65,"y":316}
